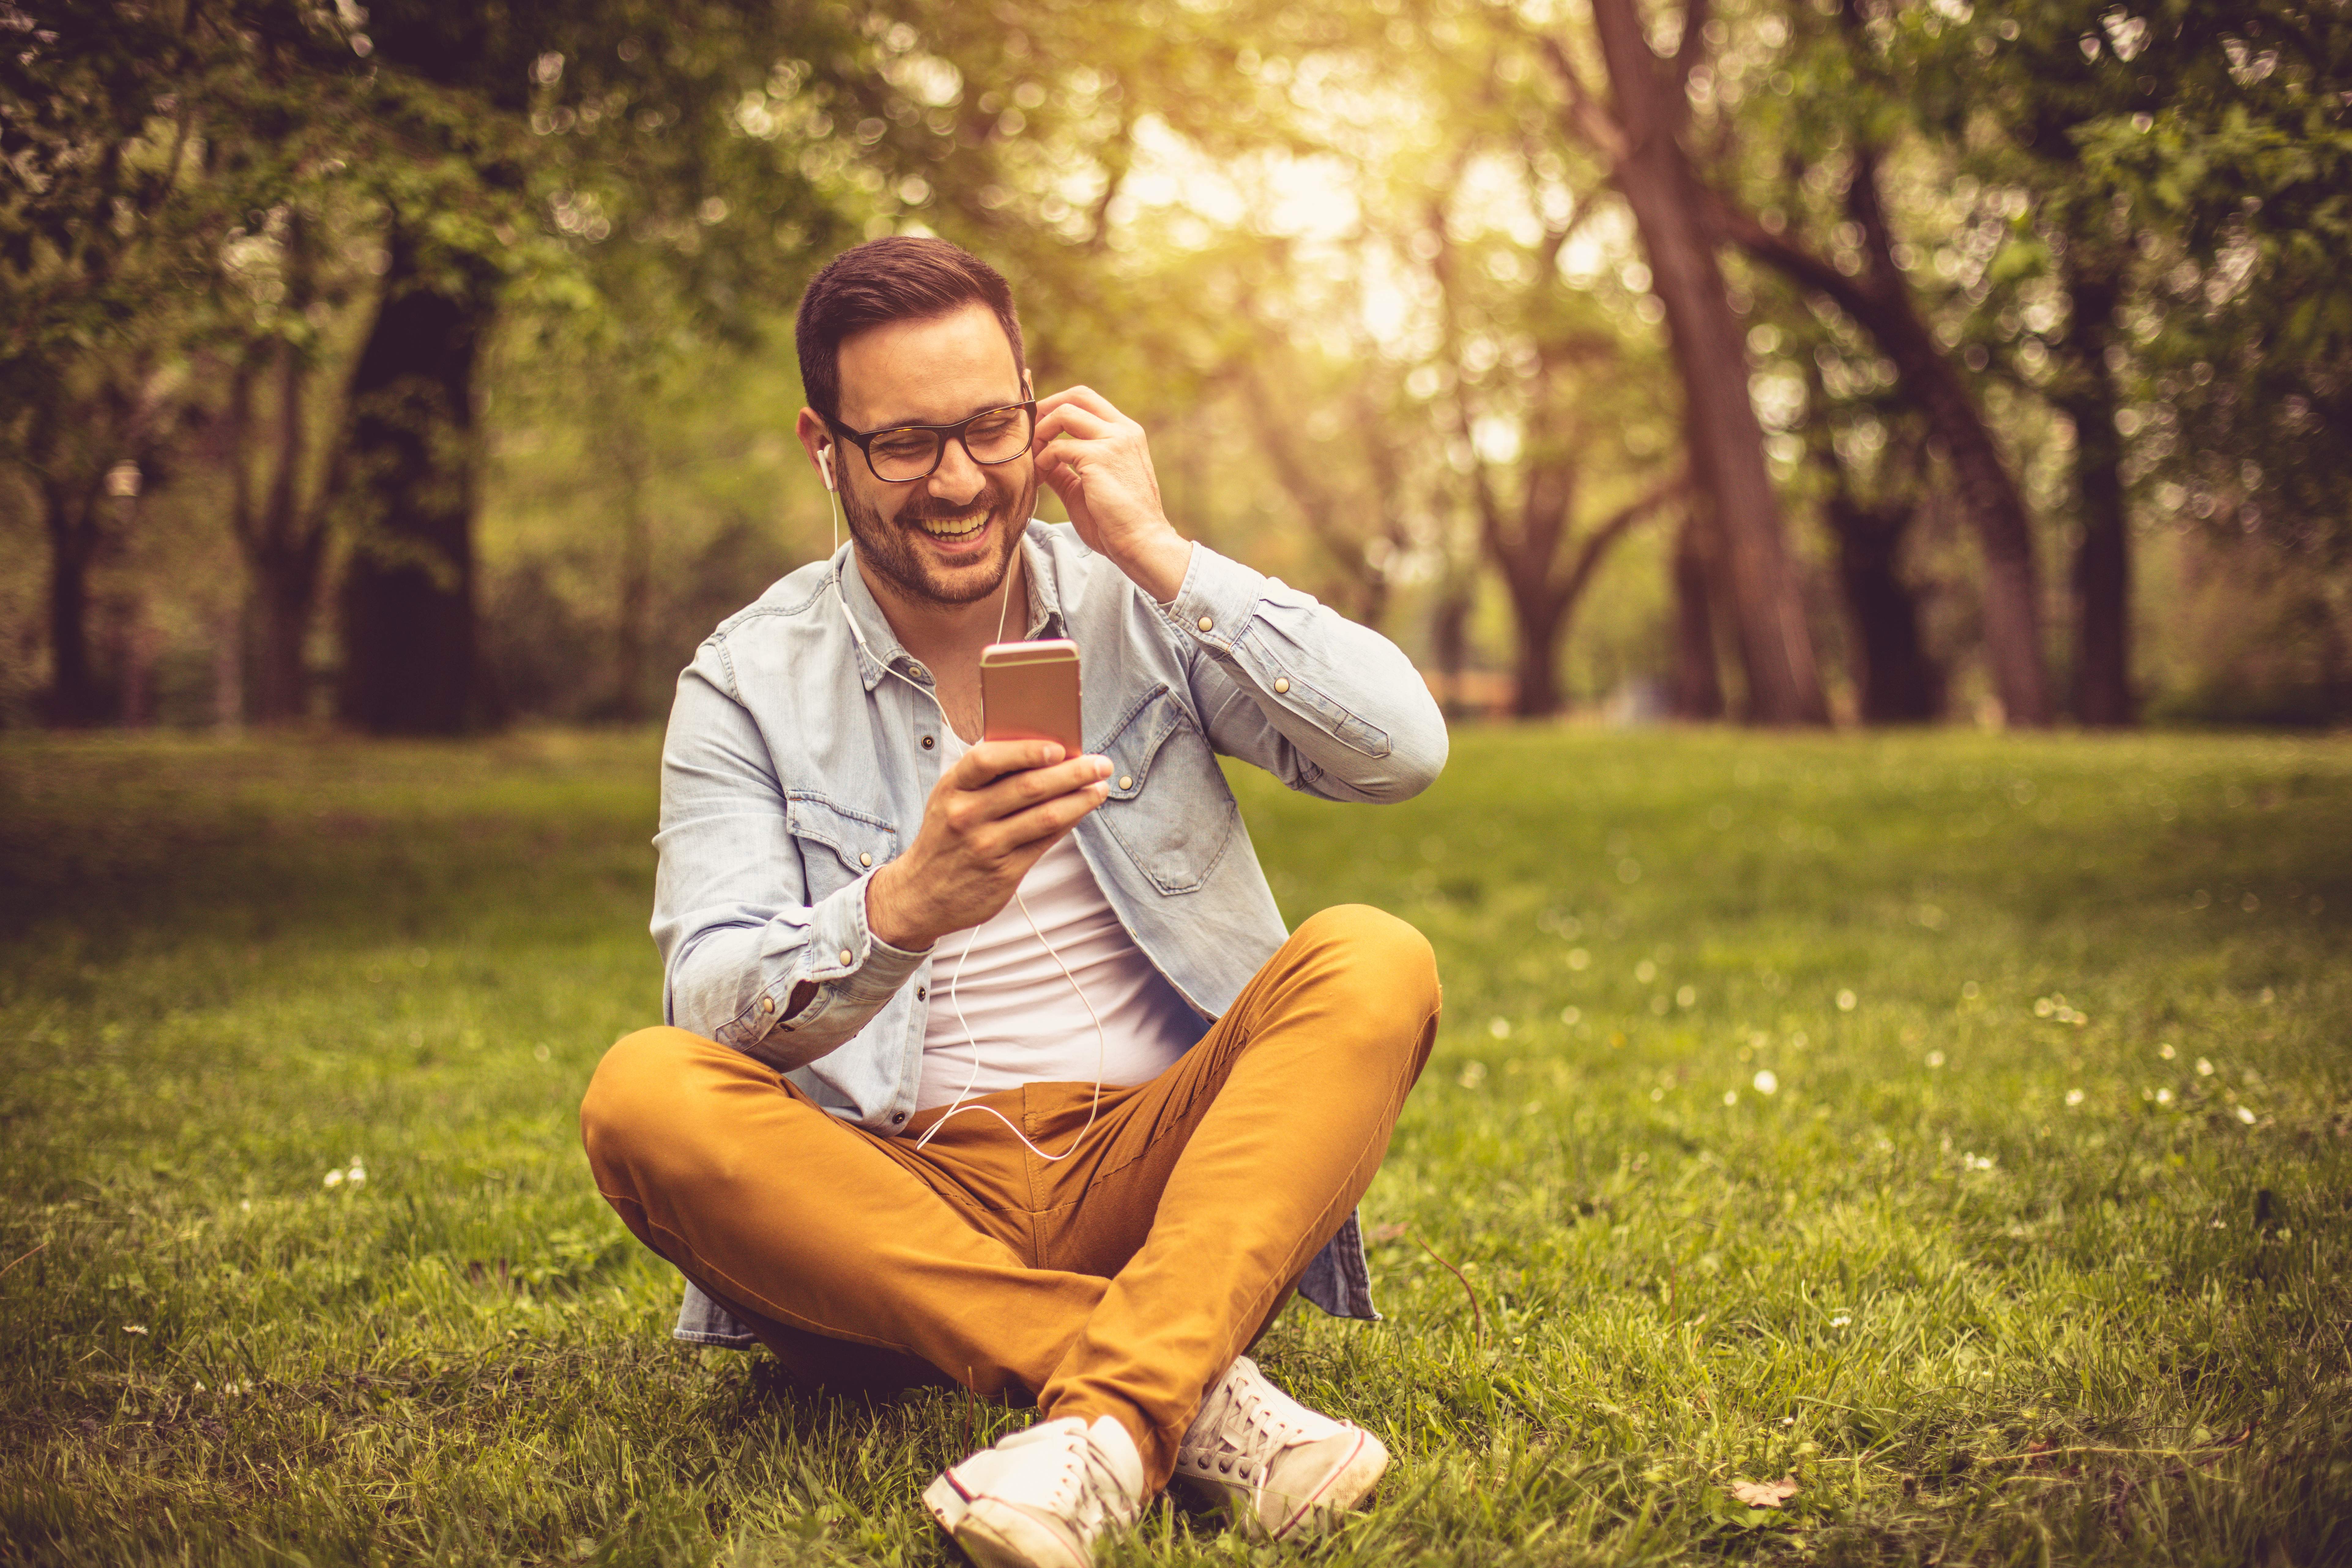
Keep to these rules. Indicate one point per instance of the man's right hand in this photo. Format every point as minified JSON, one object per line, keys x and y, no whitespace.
{"x":989,"y":819}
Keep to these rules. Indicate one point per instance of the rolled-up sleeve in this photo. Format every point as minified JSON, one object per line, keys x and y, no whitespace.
{"x":731,"y":913}
{"x":1282,"y":680}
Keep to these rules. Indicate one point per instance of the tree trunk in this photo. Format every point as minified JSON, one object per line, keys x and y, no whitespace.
{"x":1897,"y":682}
{"x":1536,"y":678}
{"x":1698,"y":683}
{"x":1449,"y":637}
{"x":633,"y":603}
{"x":2102,"y":576}
{"x":1710,"y":352}
{"x":76,"y":699}
{"x":1879,"y":302}
{"x":408,"y":593}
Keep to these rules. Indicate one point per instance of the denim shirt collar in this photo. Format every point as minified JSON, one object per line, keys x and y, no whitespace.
{"x":878,"y":650}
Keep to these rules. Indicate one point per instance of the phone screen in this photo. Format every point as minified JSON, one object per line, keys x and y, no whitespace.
{"x":1029,"y":691}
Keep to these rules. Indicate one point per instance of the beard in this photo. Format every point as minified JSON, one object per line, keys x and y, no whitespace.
{"x":892,"y":549}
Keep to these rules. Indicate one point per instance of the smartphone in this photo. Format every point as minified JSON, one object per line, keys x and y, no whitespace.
{"x":1029,"y":691}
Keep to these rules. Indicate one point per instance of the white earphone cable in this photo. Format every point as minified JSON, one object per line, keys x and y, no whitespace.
{"x":1102,"y":1037}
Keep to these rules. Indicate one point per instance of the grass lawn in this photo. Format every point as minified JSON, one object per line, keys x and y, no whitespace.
{"x":1953,"y":1126}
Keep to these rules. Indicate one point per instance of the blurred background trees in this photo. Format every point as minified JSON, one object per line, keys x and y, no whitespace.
{"x":429,"y":368}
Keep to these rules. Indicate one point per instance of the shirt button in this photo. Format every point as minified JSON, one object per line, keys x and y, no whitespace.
{"x":1125,"y":781}
{"x":922,"y":992}
{"x":767,"y":1004}
{"x":927,"y":742}
{"x":846,"y":955}
{"x":1207,"y":625}
{"x":1281,"y":684}
{"x":896,"y":1117}
{"x":864,"y":858}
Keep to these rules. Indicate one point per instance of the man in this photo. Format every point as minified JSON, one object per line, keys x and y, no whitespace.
{"x":990,"y":1064}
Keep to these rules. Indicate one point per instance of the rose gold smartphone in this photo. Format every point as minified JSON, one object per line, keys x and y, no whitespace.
{"x":1029,"y":691}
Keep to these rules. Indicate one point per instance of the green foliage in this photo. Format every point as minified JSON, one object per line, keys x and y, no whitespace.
{"x":1974,"y":1318}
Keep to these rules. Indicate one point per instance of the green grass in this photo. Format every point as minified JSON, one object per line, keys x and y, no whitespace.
{"x":1974,"y":1317}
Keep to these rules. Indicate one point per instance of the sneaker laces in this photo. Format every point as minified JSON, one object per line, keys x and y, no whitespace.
{"x":1246,"y":1409}
{"x":1086,"y":1487}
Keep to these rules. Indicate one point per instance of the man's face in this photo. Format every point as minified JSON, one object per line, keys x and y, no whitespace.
{"x":949,"y":538}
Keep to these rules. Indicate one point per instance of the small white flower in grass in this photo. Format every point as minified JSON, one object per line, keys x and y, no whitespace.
{"x":2246,"y":1114}
{"x":134,"y":1328}
{"x":2164,"y":1097}
{"x":247,"y":1205}
{"x":1787,"y":1420}
{"x":1499,"y":1027}
{"x":1935,"y":1058}
{"x":2074,"y":1097}
{"x":1846,"y":1001}
{"x":2204,"y":1067}
{"x":2165,"y":1050}
{"x":1731,"y":1097}
{"x":1977,"y":1162}
{"x":333,"y":1179}
{"x":1767,"y":1082}
{"x":1841,"y":1321}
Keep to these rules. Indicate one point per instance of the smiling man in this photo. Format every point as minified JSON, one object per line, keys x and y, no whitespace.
{"x":996,"y":1067}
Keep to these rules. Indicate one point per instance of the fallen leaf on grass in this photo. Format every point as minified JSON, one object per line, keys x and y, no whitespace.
{"x":1765,"y":1494}
{"x":1389,"y":1232}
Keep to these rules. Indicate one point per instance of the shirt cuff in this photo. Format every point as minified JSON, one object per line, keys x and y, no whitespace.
{"x":854,"y":971}
{"x":1218,"y":597}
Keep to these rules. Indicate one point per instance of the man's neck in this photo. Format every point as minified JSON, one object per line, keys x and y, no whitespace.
{"x":947,"y":639}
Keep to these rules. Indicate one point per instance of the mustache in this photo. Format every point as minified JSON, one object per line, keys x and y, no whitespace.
{"x":917,"y":510}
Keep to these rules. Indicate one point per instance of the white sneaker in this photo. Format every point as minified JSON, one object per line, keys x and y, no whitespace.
{"x":1271,"y":1462}
{"x":1041,"y":1496}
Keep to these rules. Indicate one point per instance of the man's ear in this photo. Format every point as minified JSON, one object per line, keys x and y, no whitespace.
{"x":818,"y":441}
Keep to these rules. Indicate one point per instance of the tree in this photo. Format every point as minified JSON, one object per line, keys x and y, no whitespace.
{"x":1639,"y":134}
{"x":1873,"y":288}
{"x":1566,"y":348}
{"x":115,"y":125}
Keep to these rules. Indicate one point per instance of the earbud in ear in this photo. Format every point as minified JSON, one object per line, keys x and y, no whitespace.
{"x":824,"y":466}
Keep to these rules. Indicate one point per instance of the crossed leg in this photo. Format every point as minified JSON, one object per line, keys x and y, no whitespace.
{"x":1119,"y":1281}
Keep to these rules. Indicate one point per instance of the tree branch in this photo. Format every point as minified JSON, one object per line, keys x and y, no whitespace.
{"x":1691,"y":48}
{"x":1592,"y":121}
{"x":1802,"y":267}
{"x":1619,"y":523}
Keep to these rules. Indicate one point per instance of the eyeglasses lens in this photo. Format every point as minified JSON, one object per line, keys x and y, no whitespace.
{"x":998,"y":435}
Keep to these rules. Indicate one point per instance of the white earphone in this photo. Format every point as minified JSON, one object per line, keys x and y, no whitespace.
{"x":1102,"y":1039}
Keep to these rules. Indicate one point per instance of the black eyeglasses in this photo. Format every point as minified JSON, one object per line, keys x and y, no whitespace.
{"x":903,"y":453}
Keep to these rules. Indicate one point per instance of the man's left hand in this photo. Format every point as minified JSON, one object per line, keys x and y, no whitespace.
{"x":1096,"y":460}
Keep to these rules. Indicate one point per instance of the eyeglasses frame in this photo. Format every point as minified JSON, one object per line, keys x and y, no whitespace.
{"x":863,"y":440}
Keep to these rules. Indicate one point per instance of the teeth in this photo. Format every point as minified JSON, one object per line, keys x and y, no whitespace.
{"x":954,"y":527}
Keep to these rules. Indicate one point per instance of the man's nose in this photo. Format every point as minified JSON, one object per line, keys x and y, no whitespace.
{"x":957,"y":478}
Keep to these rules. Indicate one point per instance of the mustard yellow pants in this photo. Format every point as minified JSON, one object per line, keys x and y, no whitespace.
{"x":1120,"y":1280}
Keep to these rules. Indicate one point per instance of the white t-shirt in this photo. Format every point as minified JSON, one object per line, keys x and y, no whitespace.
{"x":1026,"y":1017}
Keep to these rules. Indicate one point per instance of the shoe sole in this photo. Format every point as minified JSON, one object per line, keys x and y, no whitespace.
{"x":995,"y":1536}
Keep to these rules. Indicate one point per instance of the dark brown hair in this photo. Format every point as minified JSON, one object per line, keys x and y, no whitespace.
{"x":900,"y":277}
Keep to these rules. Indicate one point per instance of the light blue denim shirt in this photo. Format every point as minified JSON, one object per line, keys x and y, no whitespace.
{"x":796,"y":766}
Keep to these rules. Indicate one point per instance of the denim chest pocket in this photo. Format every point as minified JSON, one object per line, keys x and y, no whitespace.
{"x":837,"y":844}
{"x":1170,"y":808}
